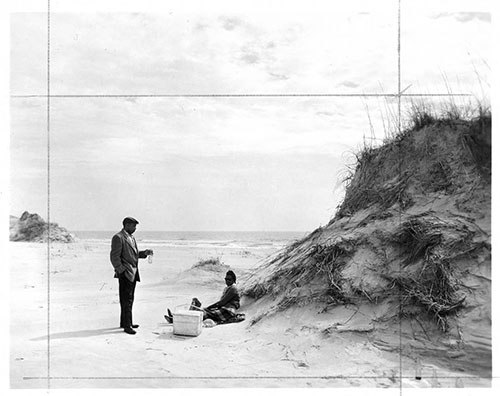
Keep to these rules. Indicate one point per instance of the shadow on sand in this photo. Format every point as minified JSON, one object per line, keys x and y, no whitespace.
{"x":174,"y":337}
{"x":80,"y":333}
{"x":169,"y":334}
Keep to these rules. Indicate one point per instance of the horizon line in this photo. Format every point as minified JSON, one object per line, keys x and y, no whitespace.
{"x":138,"y":231}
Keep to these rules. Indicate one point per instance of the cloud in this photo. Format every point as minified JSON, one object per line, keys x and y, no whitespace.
{"x":231,"y":23}
{"x":349,"y":84}
{"x":193,"y":144}
{"x":250,"y":58}
{"x":466,"y":16}
{"x":201,"y":27}
{"x":277,"y":76}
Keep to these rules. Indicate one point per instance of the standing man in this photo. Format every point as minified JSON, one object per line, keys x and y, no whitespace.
{"x":125,"y":258}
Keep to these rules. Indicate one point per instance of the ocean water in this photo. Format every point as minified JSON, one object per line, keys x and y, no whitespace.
{"x":201,"y":239}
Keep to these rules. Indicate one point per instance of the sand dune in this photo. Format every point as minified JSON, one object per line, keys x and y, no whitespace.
{"x":87,"y":349}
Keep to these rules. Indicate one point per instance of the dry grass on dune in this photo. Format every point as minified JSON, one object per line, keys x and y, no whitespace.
{"x":386,"y":241}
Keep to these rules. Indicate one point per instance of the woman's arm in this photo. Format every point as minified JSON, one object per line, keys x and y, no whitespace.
{"x":229,"y":294}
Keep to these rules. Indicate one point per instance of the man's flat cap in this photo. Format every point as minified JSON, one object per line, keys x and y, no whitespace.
{"x":127,"y":220}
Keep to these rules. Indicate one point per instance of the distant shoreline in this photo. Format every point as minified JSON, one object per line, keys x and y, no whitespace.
{"x":202,"y":239}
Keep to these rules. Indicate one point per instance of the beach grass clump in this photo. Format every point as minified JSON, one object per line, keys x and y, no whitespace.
{"x":417,"y":238}
{"x":377,"y":180}
{"x":430,"y":276}
{"x":435,"y":289}
{"x":478,"y":143}
{"x":420,"y":114}
{"x":435,"y":151}
{"x":329,"y":261}
{"x":311,"y":272}
{"x":210,"y":263}
{"x":288,"y":268}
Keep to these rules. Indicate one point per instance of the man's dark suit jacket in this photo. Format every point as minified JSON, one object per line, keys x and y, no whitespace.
{"x":125,"y":256}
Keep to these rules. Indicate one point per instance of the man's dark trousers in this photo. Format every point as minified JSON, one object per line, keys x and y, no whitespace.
{"x":127,"y":290}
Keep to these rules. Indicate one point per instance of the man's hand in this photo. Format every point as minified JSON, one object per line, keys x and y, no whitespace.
{"x":148,"y":252}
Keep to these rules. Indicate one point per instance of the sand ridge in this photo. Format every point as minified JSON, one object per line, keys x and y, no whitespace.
{"x":87,"y":349}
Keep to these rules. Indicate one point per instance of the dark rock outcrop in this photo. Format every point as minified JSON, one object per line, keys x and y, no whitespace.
{"x":30,"y":227}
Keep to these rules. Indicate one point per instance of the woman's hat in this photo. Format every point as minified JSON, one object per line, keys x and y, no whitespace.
{"x":231,"y":274}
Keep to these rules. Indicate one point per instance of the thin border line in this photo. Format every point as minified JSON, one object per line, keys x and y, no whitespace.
{"x":400,"y":214}
{"x":298,"y":95}
{"x":48,"y":195}
{"x":326,"y":377}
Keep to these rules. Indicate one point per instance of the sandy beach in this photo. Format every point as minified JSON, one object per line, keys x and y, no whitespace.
{"x":86,"y":348}
{"x":364,"y":127}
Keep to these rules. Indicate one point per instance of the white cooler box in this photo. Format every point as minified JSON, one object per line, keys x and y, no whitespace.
{"x":187,"y":323}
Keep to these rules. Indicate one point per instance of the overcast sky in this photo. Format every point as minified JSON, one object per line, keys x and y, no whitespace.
{"x":213,"y":163}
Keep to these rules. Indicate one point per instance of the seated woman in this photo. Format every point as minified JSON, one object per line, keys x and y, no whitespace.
{"x":224,"y":310}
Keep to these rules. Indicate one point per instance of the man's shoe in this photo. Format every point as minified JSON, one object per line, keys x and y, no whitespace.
{"x":129,"y":330}
{"x":168,"y":319}
{"x":134,"y":326}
